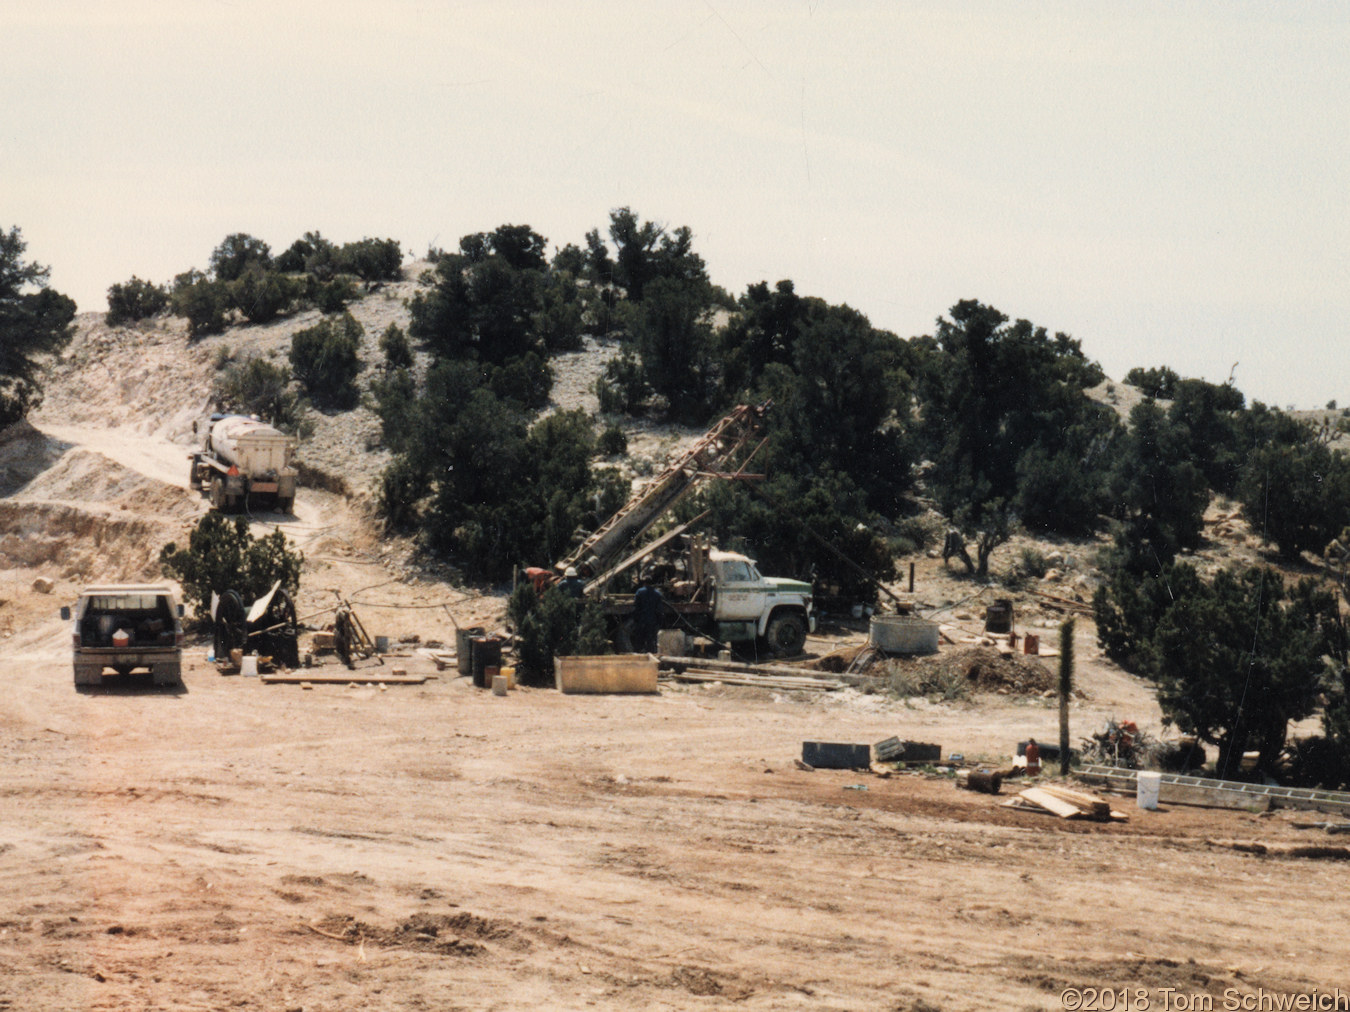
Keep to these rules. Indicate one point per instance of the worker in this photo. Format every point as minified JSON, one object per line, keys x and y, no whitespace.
{"x":646,"y":616}
{"x":1033,"y":758}
{"x":572,"y":585}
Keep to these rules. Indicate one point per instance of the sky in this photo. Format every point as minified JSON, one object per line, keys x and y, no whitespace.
{"x":1167,"y":182}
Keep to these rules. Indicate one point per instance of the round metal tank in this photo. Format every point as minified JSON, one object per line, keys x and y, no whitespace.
{"x":904,"y":634}
{"x":226,"y":432}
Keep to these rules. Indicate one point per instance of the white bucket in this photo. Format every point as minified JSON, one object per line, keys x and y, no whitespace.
{"x":248,"y":665}
{"x":1146,"y":793}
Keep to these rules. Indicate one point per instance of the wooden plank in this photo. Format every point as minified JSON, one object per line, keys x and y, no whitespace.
{"x":1097,"y":807}
{"x":342,"y":679}
{"x":780,"y":670}
{"x":1058,"y":806}
{"x":730,"y":678}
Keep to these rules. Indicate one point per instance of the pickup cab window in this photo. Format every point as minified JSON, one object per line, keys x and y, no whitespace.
{"x":735,"y":571}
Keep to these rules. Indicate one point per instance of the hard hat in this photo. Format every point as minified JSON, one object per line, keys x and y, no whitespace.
{"x":571,"y":571}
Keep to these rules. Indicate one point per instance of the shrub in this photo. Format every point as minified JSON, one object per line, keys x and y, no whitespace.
{"x":395,"y":395}
{"x":397,"y":350}
{"x":312,"y":254}
{"x":333,"y":296}
{"x":257,"y":387}
{"x":222,"y":555}
{"x":135,"y":300}
{"x":1158,"y":382}
{"x":526,"y":379}
{"x":260,"y":294}
{"x":236,"y":253}
{"x":914,"y":532}
{"x":372,"y":259}
{"x":1033,"y":562}
{"x":401,"y":487}
{"x":34,"y":323}
{"x":622,"y":387}
{"x":325,"y":359}
{"x":546,"y":627}
{"x":612,"y":442}
{"x":204,"y":304}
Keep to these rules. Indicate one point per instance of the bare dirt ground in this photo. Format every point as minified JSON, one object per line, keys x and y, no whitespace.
{"x":251,"y":846}
{"x":240,"y":845}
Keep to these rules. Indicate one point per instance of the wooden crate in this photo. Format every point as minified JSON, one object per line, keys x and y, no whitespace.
{"x":606,"y":673}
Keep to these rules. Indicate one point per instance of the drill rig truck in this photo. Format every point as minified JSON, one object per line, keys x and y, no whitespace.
{"x":717,"y":594}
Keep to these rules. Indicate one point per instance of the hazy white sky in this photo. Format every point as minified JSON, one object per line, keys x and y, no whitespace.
{"x":1167,"y":182}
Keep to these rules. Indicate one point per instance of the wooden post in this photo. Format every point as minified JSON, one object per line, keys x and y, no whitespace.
{"x":911,"y":577}
{"x":1065,"y":690}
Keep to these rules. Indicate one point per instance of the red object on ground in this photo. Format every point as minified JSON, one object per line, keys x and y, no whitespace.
{"x":1033,"y":758}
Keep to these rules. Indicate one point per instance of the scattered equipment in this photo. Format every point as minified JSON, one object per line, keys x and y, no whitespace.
{"x":268,"y":627}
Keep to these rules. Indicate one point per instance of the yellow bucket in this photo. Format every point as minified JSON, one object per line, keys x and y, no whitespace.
{"x":509,"y":673}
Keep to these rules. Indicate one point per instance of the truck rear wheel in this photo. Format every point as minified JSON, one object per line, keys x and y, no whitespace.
{"x":786,"y":634}
{"x":218,"y":493}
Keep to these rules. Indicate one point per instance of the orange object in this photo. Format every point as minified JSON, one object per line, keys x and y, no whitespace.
{"x":1033,"y":758}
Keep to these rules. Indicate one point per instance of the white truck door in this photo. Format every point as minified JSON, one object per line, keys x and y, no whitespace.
{"x":740,"y":592}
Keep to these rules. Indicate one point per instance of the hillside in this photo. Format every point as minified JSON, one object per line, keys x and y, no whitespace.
{"x":96,"y":484}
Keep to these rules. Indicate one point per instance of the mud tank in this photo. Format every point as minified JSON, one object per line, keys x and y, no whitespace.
{"x":243,"y":463}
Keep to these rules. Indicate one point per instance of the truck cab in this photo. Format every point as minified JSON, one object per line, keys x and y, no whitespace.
{"x":124,"y":628}
{"x":748,"y":605}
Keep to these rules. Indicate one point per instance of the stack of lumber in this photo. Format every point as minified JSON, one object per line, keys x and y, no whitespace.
{"x":764,"y":676}
{"x":758,"y":681}
{"x":1055,"y":799}
{"x":394,"y":677}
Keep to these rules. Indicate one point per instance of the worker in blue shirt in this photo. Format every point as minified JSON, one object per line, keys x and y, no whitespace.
{"x":646,"y":616}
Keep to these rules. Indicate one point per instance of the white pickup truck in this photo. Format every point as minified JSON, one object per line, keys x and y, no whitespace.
{"x":126,"y":627}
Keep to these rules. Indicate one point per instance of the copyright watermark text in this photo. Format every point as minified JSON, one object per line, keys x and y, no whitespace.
{"x":1174,"y":999}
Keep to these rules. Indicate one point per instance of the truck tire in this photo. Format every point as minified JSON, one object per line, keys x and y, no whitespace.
{"x":217,"y":493}
{"x":286,"y":505}
{"x":194,"y":479}
{"x":786,"y":634}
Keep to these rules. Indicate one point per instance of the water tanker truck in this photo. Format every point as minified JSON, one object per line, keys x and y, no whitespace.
{"x":242,"y":462}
